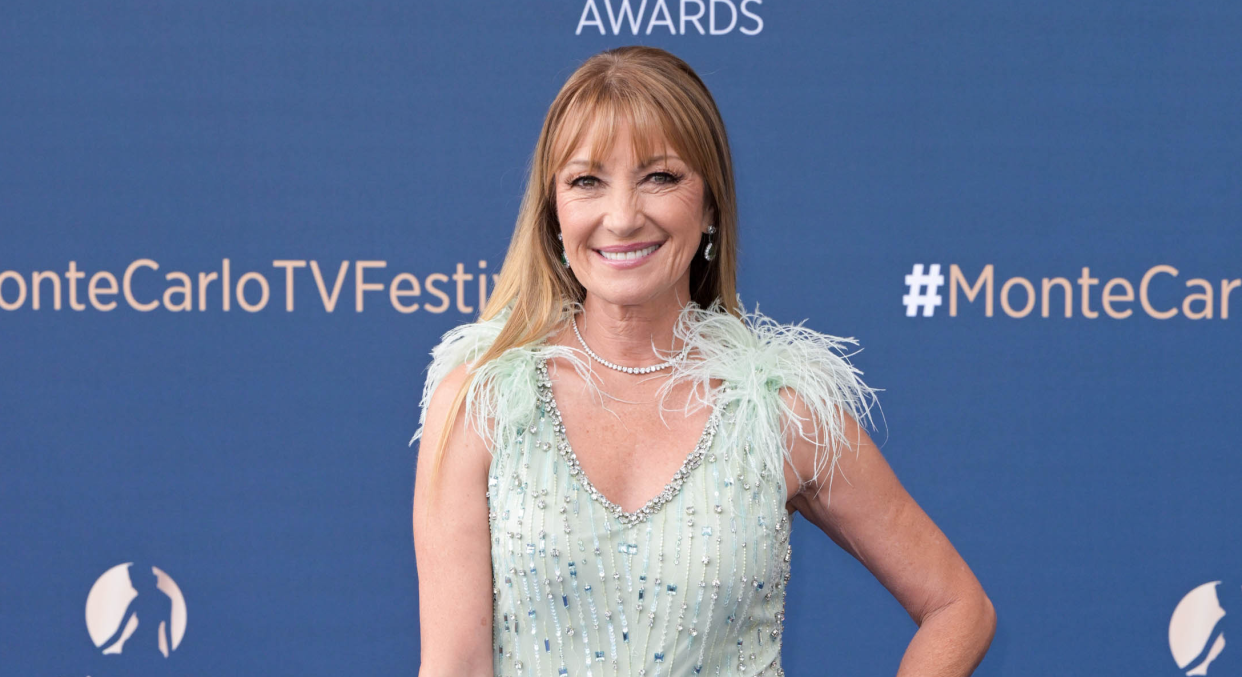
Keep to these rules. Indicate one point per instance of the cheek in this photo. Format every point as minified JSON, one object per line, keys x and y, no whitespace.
{"x":681,"y":212}
{"x":573,"y":215}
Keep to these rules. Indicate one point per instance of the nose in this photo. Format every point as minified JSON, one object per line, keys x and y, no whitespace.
{"x":624,"y":213}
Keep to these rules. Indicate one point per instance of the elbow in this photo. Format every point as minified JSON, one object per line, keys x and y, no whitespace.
{"x":975,"y":607}
{"x":987,"y":619}
{"x":973,"y":614}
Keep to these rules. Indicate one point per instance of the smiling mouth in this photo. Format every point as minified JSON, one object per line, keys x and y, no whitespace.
{"x":627,"y":256}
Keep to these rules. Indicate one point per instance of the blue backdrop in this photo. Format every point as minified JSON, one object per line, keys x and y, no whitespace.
{"x":250,"y":455}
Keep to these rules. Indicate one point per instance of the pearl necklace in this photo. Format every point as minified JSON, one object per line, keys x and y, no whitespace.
{"x":628,"y":370}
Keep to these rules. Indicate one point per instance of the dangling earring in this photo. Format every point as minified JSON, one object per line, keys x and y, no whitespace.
{"x":564,"y":257}
{"x":707,"y":251}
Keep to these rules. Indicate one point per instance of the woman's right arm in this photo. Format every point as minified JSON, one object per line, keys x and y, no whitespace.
{"x":452,"y":544}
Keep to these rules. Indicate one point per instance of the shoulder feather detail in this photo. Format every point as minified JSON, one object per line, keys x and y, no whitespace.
{"x":503,"y":394}
{"x":757,"y":357}
{"x":754,"y":356}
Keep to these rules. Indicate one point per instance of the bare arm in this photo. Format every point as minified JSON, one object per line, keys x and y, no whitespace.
{"x":873,"y":518}
{"x":452,"y":545}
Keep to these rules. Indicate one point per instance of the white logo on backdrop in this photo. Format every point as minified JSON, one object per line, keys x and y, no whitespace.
{"x":1201,"y":624}
{"x":133,"y":609}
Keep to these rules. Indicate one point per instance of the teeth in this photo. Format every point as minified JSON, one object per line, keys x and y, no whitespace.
{"x":625,"y":256}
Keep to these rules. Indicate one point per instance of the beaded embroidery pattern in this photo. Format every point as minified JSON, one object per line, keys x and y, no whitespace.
{"x":575,"y":468}
{"x":691,"y":583}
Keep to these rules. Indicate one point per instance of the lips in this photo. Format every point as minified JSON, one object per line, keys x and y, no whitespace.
{"x":629,"y":255}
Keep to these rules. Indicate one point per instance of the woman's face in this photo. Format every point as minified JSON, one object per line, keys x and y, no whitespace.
{"x":631,"y":226}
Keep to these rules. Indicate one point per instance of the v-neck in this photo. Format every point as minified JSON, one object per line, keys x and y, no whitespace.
{"x":652,"y":506}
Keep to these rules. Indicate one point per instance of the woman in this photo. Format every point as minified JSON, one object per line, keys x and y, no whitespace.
{"x":567,"y":519}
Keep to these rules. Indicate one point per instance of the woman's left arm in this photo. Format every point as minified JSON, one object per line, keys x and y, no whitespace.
{"x":875,"y":519}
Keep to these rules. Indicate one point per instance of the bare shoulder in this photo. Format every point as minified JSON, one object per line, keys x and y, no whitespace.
{"x":822,"y":464}
{"x":464,"y":443}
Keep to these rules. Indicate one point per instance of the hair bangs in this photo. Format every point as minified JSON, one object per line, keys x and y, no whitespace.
{"x":602,"y":113}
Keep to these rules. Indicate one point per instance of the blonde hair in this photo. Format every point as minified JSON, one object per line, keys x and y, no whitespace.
{"x":658,"y":94}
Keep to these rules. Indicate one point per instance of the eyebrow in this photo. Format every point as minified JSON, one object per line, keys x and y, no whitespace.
{"x":646,"y":163}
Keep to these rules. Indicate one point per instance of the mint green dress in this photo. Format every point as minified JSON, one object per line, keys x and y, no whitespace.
{"x":694,"y":581}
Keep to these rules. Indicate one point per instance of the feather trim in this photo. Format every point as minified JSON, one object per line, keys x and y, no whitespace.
{"x":497,"y":419}
{"x":754,"y":356}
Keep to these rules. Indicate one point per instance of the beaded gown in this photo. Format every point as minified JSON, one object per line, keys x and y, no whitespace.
{"x":694,"y":581}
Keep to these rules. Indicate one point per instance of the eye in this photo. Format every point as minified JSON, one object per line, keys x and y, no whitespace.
{"x":666,"y":178}
{"x":575,"y":183}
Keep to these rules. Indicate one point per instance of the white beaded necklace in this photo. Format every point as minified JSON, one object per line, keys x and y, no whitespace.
{"x":628,"y":370}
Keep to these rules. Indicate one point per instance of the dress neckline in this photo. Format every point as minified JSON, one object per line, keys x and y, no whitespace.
{"x":652,"y":506}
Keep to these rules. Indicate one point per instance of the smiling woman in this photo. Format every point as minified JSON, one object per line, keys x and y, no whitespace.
{"x":632,"y":226}
{"x":567,"y":518}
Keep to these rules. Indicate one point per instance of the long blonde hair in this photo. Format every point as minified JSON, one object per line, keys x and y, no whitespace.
{"x":658,"y":94}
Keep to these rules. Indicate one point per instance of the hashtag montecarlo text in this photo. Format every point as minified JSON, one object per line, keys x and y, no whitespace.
{"x":1160,"y":294}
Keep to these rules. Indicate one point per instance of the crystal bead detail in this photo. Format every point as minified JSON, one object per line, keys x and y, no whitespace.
{"x":627,"y":519}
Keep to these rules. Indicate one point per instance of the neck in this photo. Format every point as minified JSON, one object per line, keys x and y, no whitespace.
{"x":624,"y":334}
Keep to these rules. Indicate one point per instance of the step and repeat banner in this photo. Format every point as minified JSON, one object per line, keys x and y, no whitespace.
{"x":231,"y":232}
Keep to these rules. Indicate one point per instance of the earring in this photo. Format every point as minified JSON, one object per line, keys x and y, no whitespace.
{"x":564,"y":257}
{"x":707,"y":251}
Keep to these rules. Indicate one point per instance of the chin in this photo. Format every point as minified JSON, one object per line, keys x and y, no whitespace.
{"x":629,"y":294}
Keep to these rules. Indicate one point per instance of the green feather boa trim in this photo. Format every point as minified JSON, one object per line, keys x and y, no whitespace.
{"x":755,"y":357}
